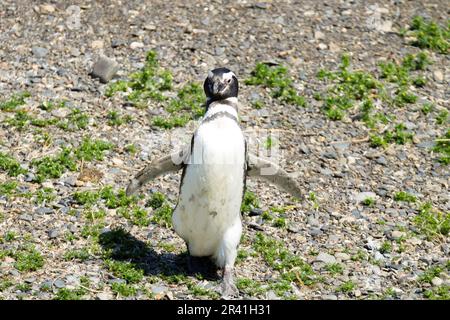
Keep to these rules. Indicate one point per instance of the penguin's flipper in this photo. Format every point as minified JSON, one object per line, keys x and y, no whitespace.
{"x":269,"y":171}
{"x":170,"y":163}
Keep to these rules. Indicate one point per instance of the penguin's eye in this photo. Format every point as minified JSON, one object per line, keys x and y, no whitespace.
{"x":228,"y":81}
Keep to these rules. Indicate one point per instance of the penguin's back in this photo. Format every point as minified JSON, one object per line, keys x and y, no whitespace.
{"x":212,"y":187}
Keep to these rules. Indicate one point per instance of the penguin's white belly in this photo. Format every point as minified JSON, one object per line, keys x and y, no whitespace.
{"x":207,"y":216}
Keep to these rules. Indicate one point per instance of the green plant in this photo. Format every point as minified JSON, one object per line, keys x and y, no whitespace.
{"x":443,"y":147}
{"x":137,"y":216}
{"x":156,"y":201}
{"x":249,"y":202}
{"x":123,"y":289}
{"x":442,"y":117}
{"x":125,"y":270}
{"x":92,"y":149}
{"x":163,"y":215}
{"x":28,"y":259}
{"x":54,"y":167}
{"x":334,"y":268}
{"x":432,"y":223}
{"x":70,"y":294}
{"x":276,"y":78}
{"x":45,"y":195}
{"x":404,"y":196}
{"x":76,"y":120}
{"x":369,"y":201}
{"x":386,"y":247}
{"x":77,"y":254}
{"x":427,"y":108}
{"x":114,"y":119}
{"x":346,"y":287}
{"x":15,"y":101}
{"x":429,"y":34}
{"x":10,"y":165}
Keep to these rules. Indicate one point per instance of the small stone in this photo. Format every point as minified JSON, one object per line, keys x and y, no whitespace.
{"x":382,"y":161}
{"x":46,"y":8}
{"x":271,"y":295}
{"x":342,"y":256}
{"x":30,"y":280}
{"x":261,"y":5}
{"x":59,"y":284}
{"x":60,"y":113}
{"x":438,"y":76}
{"x":54,"y":233}
{"x":26,"y":217}
{"x":322,"y":46}
{"x":364,"y":195}
{"x":39,"y":52}
{"x":319,"y":35}
{"x":304,"y":149}
{"x":104,"y":296}
{"x":329,"y":297}
{"x":255,"y":212}
{"x":309,"y":13}
{"x":397,"y":234}
{"x":43,"y":210}
{"x":378,"y":256}
{"x":75,"y":52}
{"x":373,"y":245}
{"x":436,"y":281}
{"x":104,"y":69}
{"x":219,"y":51}
{"x":136,"y":45}
{"x":315,"y":232}
{"x":330,"y":155}
{"x":325,"y":258}
{"x":158,"y":289}
{"x":97,"y":44}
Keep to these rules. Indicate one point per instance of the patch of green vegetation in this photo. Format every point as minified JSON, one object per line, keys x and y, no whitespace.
{"x":24,"y":287}
{"x":76,"y":120}
{"x":123,"y":289}
{"x":428,"y":34}
{"x":399,"y":135}
{"x":136,"y":215}
{"x":199,"y":291}
{"x":386,"y":247}
{"x":359,"y":256}
{"x":10,"y":236}
{"x":115,"y":119}
{"x":112,"y":199}
{"x":428,"y":275}
{"x":150,"y":83}
{"x":77,"y":254}
{"x":313,"y":198}
{"x":119,"y":244}
{"x":404,"y":196}
{"x":334,"y":268}
{"x":443,"y":148}
{"x":250,"y":287}
{"x":28,"y":259}
{"x":291,"y":267}
{"x":45,"y":195}
{"x":93,"y":215}
{"x":369,"y":201}
{"x":131,"y":148}
{"x":54,"y":167}
{"x":70,"y":294}
{"x":156,"y":201}
{"x":442,"y":117}
{"x":257,"y":104}
{"x":277,"y":79}
{"x":5,"y":283}
{"x":163,"y":215}
{"x":10,"y":165}
{"x":8,"y":188}
{"x":12,"y":103}
{"x":439,"y":293}
{"x":431,"y":222}
{"x":92,"y":230}
{"x":427,"y":108}
{"x":52,"y":105}
{"x":125,"y":270}
{"x":346,"y":287}
{"x":169,"y":247}
{"x":249,"y":202}
{"x":92,"y":149}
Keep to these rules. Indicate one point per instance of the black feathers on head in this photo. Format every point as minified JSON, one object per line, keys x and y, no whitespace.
{"x":220,"y":84}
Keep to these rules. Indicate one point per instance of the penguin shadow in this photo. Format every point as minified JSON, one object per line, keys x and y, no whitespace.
{"x":120,"y":245}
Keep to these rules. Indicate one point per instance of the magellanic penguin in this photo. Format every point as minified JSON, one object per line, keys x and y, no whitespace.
{"x":215,"y":166}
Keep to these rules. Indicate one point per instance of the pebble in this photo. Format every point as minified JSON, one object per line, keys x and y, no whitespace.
{"x":25,"y":217}
{"x":342,"y":256}
{"x":325,"y":258}
{"x":329,"y":297}
{"x":104,"y":296}
{"x":436,"y":281}
{"x":104,"y":69}
{"x":97,"y":44}
{"x":136,"y":45}
{"x":54,"y":233}
{"x":158,"y":289}
{"x":255,"y":212}
{"x":397,"y":234}
{"x":438,"y":76}
{"x":39,"y":52}
{"x":364,"y":195}
{"x":43,"y":210}
{"x":382,"y":161}
{"x":59,"y":284}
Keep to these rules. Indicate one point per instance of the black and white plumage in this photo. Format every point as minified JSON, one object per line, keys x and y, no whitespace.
{"x":215,"y":167}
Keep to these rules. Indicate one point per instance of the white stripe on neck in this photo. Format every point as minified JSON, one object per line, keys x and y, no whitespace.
{"x":218,"y":106}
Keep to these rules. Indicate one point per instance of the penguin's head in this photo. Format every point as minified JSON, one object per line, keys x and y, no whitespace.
{"x":220,"y":84}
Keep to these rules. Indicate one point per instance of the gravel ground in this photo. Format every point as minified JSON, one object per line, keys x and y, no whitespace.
{"x":356,"y":251}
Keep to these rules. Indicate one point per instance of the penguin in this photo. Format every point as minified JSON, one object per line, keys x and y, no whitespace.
{"x":214,"y":170}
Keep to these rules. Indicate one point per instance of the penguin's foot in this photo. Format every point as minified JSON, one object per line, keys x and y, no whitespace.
{"x":229,"y":289}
